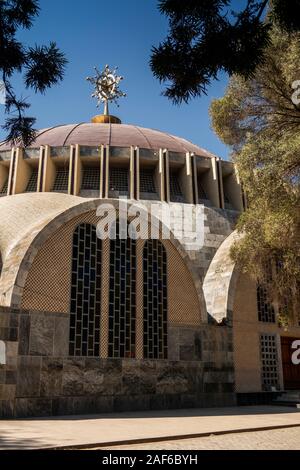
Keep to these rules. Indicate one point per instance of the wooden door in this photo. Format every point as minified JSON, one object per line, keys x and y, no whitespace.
{"x":291,"y":372}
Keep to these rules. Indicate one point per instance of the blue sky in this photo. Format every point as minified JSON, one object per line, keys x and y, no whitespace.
{"x":119,"y":32}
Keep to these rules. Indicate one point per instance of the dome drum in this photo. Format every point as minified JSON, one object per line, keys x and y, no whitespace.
{"x":109,"y":161}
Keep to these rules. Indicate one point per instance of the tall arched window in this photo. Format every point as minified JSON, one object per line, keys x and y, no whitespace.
{"x":265,"y":309}
{"x":155,"y":301}
{"x":85,"y":311}
{"x":122,"y":296}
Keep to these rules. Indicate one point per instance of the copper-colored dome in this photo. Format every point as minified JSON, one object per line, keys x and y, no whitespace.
{"x":116,"y":135}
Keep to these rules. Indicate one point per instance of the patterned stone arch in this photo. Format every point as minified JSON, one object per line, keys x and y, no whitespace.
{"x":28,"y":248}
{"x":220,"y":282}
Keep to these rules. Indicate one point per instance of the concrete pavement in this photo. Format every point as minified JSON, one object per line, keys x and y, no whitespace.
{"x":110,"y":429}
{"x":278,"y":439}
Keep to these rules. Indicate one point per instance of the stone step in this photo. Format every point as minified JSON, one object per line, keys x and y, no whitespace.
{"x":296,"y":399}
{"x":291,"y":404}
{"x":289,"y":398}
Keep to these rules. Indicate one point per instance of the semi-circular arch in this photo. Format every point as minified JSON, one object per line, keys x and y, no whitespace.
{"x":220,"y":282}
{"x":53,"y":211}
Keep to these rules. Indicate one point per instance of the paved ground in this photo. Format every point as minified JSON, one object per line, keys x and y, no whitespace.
{"x":106,"y":429}
{"x":280,"y":439}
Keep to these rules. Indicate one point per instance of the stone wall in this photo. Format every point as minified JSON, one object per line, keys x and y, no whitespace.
{"x":218,"y":225}
{"x":39,"y":379}
{"x":247,"y":331}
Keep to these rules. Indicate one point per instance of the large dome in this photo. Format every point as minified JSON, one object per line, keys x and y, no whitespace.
{"x":115,"y":135}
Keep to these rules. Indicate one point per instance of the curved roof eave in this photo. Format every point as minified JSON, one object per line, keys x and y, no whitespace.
{"x":116,"y":135}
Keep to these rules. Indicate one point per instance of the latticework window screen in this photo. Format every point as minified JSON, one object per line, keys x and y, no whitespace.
{"x":85,"y":310}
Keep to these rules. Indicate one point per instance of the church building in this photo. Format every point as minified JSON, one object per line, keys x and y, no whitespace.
{"x":91,"y":325}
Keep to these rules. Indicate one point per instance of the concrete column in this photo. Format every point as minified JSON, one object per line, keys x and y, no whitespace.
{"x":212,"y":188}
{"x":104,"y":171}
{"x":186,"y":180}
{"x":71,"y":171}
{"x":160,"y":176}
{"x":137,"y":175}
{"x":12,"y":168}
{"x":77,"y":172}
{"x":72,"y":167}
{"x":194,"y":179}
{"x":134,"y":174}
{"x":164,"y":188}
{"x":49,"y":171}
{"x":22,"y":173}
{"x":220,"y":183}
{"x":167,"y":175}
{"x":41,"y":169}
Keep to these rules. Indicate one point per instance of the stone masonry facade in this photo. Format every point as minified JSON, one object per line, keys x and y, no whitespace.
{"x":40,"y":379}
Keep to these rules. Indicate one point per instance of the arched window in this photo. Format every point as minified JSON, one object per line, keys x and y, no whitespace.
{"x":155,"y":301}
{"x":265,"y":309}
{"x":85,"y":311}
{"x":122,"y":296}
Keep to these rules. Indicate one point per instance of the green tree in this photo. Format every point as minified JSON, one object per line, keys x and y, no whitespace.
{"x":209,"y":36}
{"x":42,"y":66}
{"x":260,"y":119}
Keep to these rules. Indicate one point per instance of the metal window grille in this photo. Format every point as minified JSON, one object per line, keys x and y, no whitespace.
{"x":61,"y":181}
{"x":269,"y":362}
{"x":85,"y":309}
{"x":119,"y":180}
{"x":91,"y":178}
{"x":32,"y":183}
{"x":122,"y":296}
{"x":4,"y":189}
{"x":155,"y":300}
{"x":175,"y":189}
{"x":147,"y":184}
{"x":265,"y":309}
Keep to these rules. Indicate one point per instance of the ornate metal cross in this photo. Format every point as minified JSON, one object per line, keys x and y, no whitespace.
{"x":106,"y":85}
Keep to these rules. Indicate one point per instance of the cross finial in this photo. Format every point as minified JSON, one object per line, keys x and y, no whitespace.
{"x":106,"y":85}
